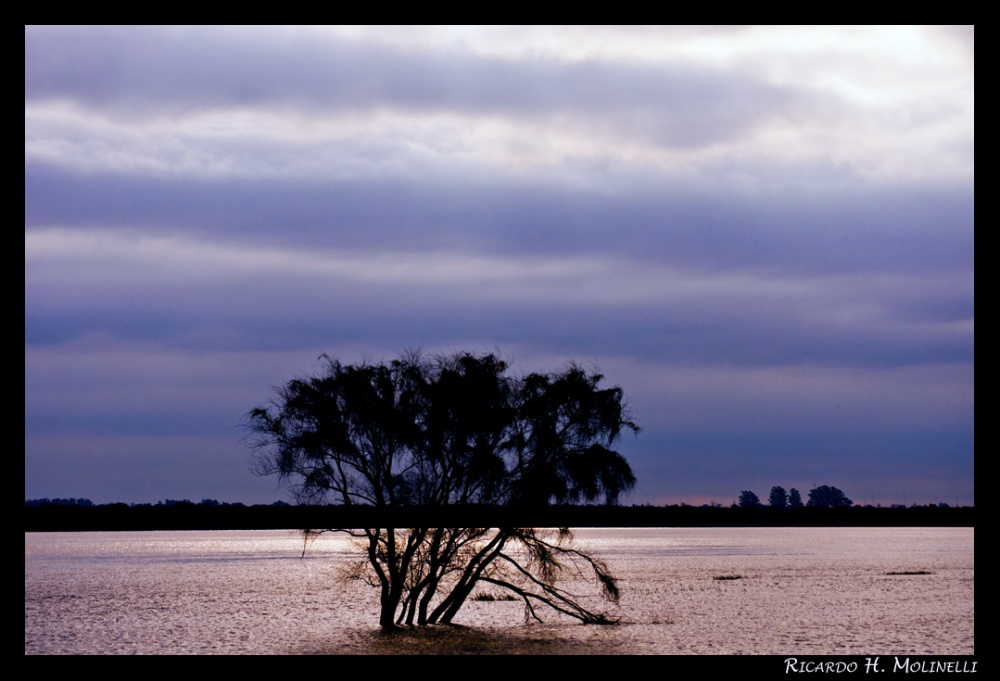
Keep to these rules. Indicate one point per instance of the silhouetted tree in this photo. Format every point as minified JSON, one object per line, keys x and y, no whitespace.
{"x":794,"y":498}
{"x":749,"y":500}
{"x":829,"y":497}
{"x":452,"y":431}
{"x":778,"y":498}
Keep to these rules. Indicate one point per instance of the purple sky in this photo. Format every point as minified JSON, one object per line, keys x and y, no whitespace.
{"x":764,"y":235}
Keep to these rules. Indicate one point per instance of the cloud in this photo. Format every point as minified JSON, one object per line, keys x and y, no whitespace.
{"x":200,"y":292}
{"x":237,"y":101}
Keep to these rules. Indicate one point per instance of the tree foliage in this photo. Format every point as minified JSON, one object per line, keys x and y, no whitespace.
{"x":828,"y":497}
{"x":794,"y":498}
{"x":778,"y":497}
{"x":447,"y":432}
{"x":748,"y":499}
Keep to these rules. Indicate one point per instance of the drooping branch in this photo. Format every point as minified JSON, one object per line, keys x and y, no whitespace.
{"x":557,"y":601}
{"x":544,"y":550}
{"x":539,"y":570}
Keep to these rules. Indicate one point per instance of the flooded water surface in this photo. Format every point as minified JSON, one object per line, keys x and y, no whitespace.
{"x":787,"y":591}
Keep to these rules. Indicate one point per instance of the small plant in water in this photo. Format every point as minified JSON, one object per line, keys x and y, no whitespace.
{"x":726,"y":578}
{"x":487,"y":597}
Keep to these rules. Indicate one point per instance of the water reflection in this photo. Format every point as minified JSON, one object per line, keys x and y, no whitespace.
{"x":798,"y":590}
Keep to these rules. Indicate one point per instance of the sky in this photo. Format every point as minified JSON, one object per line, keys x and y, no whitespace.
{"x":764,"y":235}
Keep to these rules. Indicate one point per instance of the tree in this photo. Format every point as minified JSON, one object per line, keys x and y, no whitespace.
{"x":794,"y":498}
{"x":778,"y":499}
{"x":748,"y":499}
{"x":450,"y":432}
{"x":830,"y":497}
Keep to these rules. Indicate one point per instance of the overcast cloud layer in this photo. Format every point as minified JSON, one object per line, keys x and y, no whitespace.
{"x":764,"y":235}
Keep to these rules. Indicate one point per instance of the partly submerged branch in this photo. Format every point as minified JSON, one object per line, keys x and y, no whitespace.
{"x":555,"y":599}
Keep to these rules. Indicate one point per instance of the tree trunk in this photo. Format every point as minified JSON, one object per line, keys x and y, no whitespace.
{"x":450,"y":606}
{"x":458,"y":597}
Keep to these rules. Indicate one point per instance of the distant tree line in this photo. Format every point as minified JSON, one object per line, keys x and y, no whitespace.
{"x":823,"y":496}
{"x":35,"y":503}
{"x":87,"y":503}
{"x":212,"y":515}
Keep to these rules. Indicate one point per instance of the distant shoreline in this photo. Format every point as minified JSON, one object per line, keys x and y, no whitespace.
{"x":190,"y":516}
